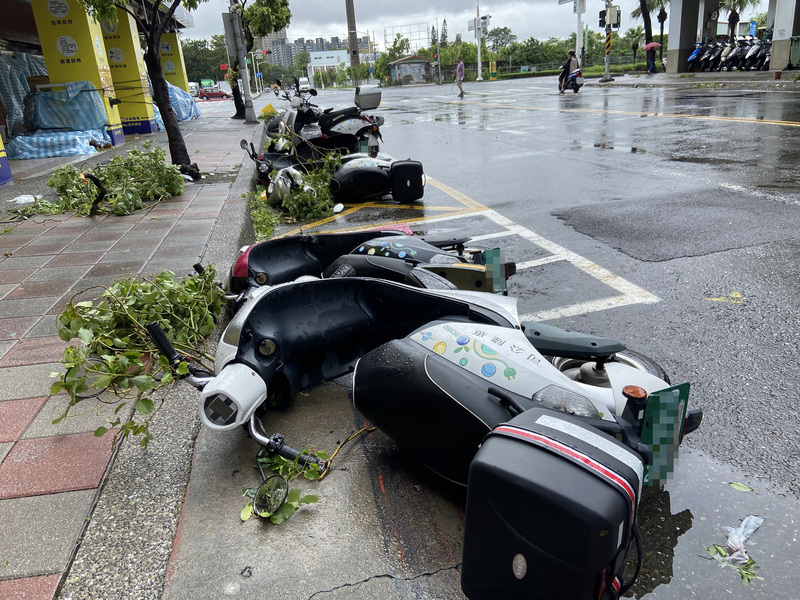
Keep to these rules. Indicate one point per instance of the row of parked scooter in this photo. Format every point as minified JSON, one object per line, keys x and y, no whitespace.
{"x":298,"y":138}
{"x":745,"y":53}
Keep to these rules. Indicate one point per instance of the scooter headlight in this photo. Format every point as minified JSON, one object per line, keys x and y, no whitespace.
{"x":231,"y":397}
{"x":263,"y":167}
{"x":561,"y":399}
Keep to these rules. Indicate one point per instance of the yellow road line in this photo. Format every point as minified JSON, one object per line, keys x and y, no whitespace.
{"x":469,"y":206}
{"x":627,"y":113}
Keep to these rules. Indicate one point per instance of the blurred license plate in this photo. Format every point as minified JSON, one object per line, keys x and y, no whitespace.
{"x":579,"y":80}
{"x":662,"y":430}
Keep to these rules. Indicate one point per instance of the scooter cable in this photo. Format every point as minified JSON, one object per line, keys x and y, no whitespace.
{"x":637,"y":536}
{"x":339,"y":447}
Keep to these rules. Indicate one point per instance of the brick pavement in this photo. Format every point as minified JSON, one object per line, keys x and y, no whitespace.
{"x":51,"y":474}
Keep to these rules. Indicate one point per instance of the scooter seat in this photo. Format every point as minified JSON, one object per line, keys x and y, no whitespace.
{"x":552,"y":341}
{"x":329,"y":119}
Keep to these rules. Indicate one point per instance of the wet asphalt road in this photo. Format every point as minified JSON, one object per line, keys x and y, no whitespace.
{"x":665,"y":218}
{"x":690,"y":194}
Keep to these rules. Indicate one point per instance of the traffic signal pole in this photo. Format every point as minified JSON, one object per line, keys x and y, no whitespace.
{"x":607,"y":76}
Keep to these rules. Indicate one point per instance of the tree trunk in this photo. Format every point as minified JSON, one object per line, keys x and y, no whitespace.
{"x":662,"y":16}
{"x":648,"y":25}
{"x":238,"y":103}
{"x":177,"y":146}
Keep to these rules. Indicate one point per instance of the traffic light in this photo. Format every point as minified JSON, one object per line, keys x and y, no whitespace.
{"x":435,"y":56}
{"x":602,"y":18}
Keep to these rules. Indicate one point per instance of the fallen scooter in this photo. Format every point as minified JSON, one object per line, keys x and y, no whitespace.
{"x":553,"y":441}
{"x":360,"y":178}
{"x":420,"y":262}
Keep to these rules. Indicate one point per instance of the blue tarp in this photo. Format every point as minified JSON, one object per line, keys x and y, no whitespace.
{"x":78,"y":108}
{"x":14,"y":71}
{"x":47,"y":144}
{"x":182,"y":103}
{"x":65,"y":122}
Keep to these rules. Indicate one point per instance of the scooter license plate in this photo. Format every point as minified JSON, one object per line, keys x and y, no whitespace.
{"x":662,"y":430}
{"x":579,"y":80}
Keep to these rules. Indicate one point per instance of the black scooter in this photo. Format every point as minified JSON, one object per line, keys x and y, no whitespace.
{"x":361,"y":177}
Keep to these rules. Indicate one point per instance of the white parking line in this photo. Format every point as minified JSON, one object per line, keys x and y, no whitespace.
{"x":629,"y":293}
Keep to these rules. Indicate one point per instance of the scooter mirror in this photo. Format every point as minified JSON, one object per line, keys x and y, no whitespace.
{"x":278,"y":81}
{"x":243,"y":145}
{"x":270,"y":496}
{"x":312,"y":91}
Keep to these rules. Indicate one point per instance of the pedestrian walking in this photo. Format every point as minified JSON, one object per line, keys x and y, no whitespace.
{"x":460,"y":77}
{"x":651,"y":61}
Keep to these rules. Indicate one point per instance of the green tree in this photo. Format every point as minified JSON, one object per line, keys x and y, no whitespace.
{"x":433,"y":37}
{"x":153,"y":21}
{"x":735,"y":8}
{"x":401,"y":46}
{"x":500,"y":37}
{"x":458,"y":39}
{"x":301,"y":61}
{"x":632,"y":39}
{"x":203,"y":57}
{"x":443,"y":36}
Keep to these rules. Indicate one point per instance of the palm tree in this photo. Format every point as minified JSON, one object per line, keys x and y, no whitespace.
{"x":734,"y":7}
{"x":632,"y":37}
{"x":643,"y":11}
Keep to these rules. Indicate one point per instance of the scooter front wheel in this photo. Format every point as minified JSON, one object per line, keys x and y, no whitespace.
{"x":571,"y":367}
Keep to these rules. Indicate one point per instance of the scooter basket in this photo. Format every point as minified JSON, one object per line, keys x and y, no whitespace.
{"x":550,"y":508}
{"x":407,"y":180}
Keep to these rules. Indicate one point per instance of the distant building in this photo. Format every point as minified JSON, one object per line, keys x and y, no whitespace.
{"x":264,"y":44}
{"x":410,"y":69}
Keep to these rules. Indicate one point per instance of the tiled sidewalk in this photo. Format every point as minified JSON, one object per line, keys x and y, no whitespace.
{"x":50,"y":474}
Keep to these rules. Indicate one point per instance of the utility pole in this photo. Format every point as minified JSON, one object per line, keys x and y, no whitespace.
{"x":579,"y":4}
{"x":607,"y":76}
{"x":480,"y":35}
{"x":236,"y":22}
{"x":352,"y":36}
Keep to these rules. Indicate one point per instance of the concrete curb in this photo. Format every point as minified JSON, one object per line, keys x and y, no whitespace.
{"x":126,"y":546}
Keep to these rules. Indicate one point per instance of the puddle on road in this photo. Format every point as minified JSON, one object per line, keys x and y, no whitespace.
{"x":693,"y":511}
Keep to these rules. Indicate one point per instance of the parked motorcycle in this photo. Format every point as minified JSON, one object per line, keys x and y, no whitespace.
{"x":550,"y":424}
{"x":574,"y":81}
{"x":417,"y":261}
{"x":348,"y":129}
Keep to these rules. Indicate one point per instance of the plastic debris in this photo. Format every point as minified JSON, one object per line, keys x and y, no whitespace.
{"x":734,"y":554}
{"x":25,"y":199}
{"x":739,"y":536}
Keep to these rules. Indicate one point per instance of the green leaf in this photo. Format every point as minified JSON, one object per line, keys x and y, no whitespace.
{"x":65,"y":334}
{"x":144,"y":382}
{"x":293,"y":496}
{"x":85,"y":335}
{"x":182,"y":369}
{"x":56,"y":387}
{"x":308,"y":499}
{"x":246,"y":512}
{"x":740,"y":487}
{"x":100,"y":432}
{"x":144,"y":406}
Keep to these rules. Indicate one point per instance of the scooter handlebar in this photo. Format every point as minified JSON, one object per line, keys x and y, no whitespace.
{"x":162,"y":342}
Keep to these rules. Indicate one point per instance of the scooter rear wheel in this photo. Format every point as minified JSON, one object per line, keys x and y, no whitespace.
{"x":571,"y":367}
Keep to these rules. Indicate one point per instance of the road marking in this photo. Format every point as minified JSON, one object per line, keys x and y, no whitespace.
{"x":629,"y":293}
{"x":630,"y":113}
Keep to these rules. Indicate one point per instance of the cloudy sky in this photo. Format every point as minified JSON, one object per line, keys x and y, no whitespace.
{"x":325,"y":18}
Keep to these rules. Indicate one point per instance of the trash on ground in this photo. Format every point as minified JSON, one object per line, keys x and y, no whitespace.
{"x":25,"y":199}
{"x":734,"y":554}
